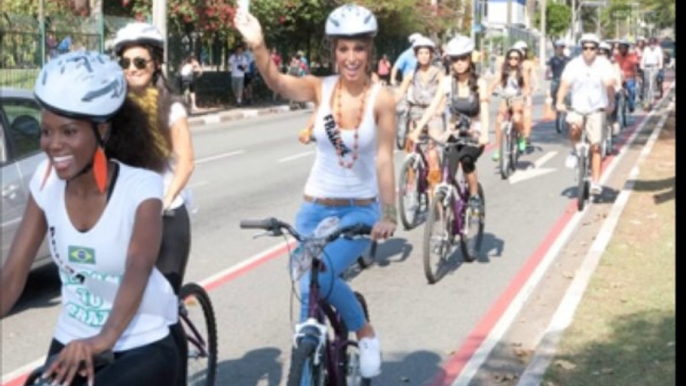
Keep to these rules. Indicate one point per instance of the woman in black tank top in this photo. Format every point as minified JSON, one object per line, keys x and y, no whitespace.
{"x":466,"y":95}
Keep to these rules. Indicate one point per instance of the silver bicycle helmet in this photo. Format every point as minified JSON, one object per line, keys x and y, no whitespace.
{"x":351,"y":20}
{"x":81,"y":85}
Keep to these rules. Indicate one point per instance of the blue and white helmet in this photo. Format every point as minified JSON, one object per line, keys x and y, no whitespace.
{"x":81,"y":85}
{"x":138,"y":33}
{"x":351,"y":20}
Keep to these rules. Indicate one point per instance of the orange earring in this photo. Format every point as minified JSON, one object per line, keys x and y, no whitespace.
{"x":100,"y":169}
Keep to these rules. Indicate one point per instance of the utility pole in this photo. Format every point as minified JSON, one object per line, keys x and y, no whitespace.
{"x":573,"y":21}
{"x":159,"y":20}
{"x":541,"y":45}
{"x":41,"y":27}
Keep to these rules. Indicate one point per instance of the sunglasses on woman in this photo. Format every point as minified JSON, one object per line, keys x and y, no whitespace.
{"x":461,"y":58}
{"x":138,"y":62}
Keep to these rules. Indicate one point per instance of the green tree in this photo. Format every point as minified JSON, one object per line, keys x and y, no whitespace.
{"x":558,"y":19}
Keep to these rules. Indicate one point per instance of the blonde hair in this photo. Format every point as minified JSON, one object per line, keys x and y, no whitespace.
{"x":148,"y":102}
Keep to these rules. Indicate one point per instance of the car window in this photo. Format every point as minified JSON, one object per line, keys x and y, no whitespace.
{"x":24,"y":128}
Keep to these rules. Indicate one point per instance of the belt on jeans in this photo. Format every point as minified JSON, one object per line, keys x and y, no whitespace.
{"x":340,"y":201}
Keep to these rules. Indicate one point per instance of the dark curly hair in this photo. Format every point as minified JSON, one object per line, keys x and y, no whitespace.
{"x":131,"y":141}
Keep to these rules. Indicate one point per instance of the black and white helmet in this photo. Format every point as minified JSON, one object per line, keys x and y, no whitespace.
{"x":351,"y":20}
{"x":459,"y":45}
{"x":82,"y":85}
{"x":138,"y":33}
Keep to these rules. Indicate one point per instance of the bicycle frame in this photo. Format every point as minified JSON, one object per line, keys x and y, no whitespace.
{"x":453,"y":190}
{"x":420,"y":163}
{"x":196,"y":339}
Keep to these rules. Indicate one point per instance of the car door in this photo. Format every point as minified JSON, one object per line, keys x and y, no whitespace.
{"x":21,"y":132}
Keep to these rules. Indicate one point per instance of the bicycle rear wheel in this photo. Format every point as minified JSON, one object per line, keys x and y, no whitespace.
{"x":514,"y":149}
{"x":473,"y":233}
{"x":581,"y":183}
{"x":438,"y":238}
{"x":199,"y":323}
{"x":410,"y":198}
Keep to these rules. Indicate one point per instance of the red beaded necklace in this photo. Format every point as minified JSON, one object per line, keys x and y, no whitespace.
{"x":338,"y":119}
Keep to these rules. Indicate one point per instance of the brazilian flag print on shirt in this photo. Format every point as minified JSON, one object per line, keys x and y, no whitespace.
{"x":81,"y":255}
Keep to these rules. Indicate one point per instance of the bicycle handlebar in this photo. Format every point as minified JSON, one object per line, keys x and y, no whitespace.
{"x":275,"y":226}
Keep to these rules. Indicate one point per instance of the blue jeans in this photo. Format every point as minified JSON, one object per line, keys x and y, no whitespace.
{"x":338,"y":256}
{"x":630,"y":87}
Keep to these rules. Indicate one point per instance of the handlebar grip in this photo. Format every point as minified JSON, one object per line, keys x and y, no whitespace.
{"x":266,"y":224}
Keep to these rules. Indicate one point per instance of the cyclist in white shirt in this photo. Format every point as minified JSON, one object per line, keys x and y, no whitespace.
{"x":652,"y":61}
{"x":101,"y":211}
{"x":591,"y":85}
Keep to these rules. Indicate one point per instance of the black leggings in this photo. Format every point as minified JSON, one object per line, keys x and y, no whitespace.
{"x":176,"y":245}
{"x":152,"y":364}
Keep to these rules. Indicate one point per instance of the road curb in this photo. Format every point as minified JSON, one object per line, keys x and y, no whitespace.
{"x":237,"y":115}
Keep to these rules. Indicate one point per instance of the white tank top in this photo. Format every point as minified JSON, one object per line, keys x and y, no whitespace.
{"x":328,"y":179}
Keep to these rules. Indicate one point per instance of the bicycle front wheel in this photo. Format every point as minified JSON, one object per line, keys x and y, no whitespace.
{"x":473,"y":233}
{"x":438,"y":238}
{"x":581,"y":183}
{"x":349,"y":365}
{"x":303,"y":371}
{"x":410,"y":201}
{"x":200,"y":326}
{"x":505,"y":151}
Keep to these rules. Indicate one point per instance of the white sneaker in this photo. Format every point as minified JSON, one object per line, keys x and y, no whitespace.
{"x":370,"y":357}
{"x":615,"y":128}
{"x":571,"y":161}
{"x":596,"y":189}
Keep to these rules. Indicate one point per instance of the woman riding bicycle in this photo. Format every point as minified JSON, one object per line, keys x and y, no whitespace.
{"x":140,"y":48}
{"x":423,"y":86}
{"x":466,"y":94}
{"x":353,"y":171}
{"x":514,"y":83}
{"x":101,"y":211}
{"x":615,"y":73}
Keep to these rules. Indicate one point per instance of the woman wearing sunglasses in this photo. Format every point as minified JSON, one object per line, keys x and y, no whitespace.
{"x":423,"y":85}
{"x":100,"y":209}
{"x":464,"y":93}
{"x":514,"y":83}
{"x":140,"y":48}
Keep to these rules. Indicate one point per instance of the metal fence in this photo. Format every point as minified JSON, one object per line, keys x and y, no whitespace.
{"x":21,"y":51}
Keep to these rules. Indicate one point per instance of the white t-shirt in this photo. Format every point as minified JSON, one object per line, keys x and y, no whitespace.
{"x":651,"y":57}
{"x":176,"y":112}
{"x":587,"y":83}
{"x":187,"y":70}
{"x":101,"y":253}
{"x":238,"y":60}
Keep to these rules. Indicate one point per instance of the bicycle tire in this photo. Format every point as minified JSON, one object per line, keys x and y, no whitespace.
{"x":34,"y":377}
{"x":581,"y":183}
{"x":301,"y":360}
{"x":470,"y":252}
{"x":193,"y":289}
{"x":434,"y":215}
{"x":504,"y":152}
{"x":401,"y":131}
{"x":349,"y":365}
{"x":408,"y":220}
{"x":514,"y":150}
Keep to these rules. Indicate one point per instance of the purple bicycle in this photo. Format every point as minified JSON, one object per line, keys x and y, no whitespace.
{"x":319,"y":358}
{"x":449,"y":216}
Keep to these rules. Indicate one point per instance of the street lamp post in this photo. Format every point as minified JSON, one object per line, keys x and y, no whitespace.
{"x":159,"y":20}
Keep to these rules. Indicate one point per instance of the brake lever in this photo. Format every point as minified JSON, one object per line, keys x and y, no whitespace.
{"x":271,"y":233}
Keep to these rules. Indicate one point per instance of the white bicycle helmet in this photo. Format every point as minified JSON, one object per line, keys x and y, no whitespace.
{"x":521,"y":45}
{"x":560,"y":43}
{"x":414,"y":37}
{"x":81,"y":85}
{"x":605,"y":46}
{"x":589,"y":38}
{"x":423,"y":42}
{"x":459,"y":45}
{"x":137,"y":33}
{"x":351,"y":20}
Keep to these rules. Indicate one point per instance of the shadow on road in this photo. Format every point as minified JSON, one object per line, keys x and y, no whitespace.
{"x":260,"y":367}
